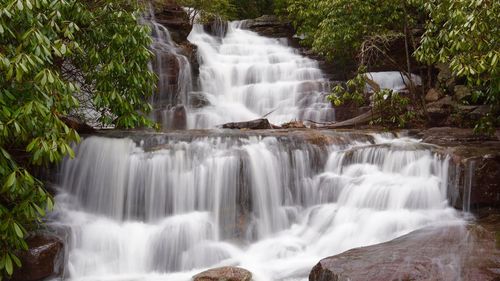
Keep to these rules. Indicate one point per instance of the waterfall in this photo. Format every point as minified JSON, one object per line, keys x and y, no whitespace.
{"x":174,"y":75}
{"x":166,"y":206}
{"x":245,"y":76}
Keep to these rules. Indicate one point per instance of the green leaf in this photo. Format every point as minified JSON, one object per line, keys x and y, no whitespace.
{"x":18,"y":231}
{"x":63,"y":49}
{"x":39,"y":210}
{"x":20,"y":5}
{"x":8,"y":265}
{"x":10,"y":180}
{"x":17,"y":261}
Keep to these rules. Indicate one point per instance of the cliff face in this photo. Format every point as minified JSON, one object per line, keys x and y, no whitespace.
{"x":176,"y":20}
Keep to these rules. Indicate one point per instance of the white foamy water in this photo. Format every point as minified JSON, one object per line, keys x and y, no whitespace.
{"x":245,"y":76}
{"x":274,"y":206}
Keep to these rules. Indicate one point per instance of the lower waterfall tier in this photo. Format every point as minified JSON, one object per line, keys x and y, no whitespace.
{"x":168,"y":206}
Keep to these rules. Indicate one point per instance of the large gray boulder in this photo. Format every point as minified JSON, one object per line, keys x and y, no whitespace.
{"x":445,"y":253}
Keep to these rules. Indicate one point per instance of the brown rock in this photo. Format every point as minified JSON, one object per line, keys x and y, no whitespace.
{"x":439,"y":111}
{"x":270,"y":26}
{"x":227,"y":273}
{"x":179,"y":120}
{"x":173,"y":17}
{"x":444,"y":253}
{"x":445,"y":76}
{"x":461,"y":92}
{"x":475,"y":169}
{"x":45,"y":258}
{"x":433,"y":95}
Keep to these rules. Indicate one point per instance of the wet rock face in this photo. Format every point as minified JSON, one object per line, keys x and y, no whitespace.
{"x":175,"y":19}
{"x":45,"y":258}
{"x":216,"y":27}
{"x":227,"y":273}
{"x":179,"y":117}
{"x":476,"y":165}
{"x":270,"y":26}
{"x":446,"y":253}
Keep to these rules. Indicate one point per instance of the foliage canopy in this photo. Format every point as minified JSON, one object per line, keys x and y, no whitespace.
{"x":57,"y":57}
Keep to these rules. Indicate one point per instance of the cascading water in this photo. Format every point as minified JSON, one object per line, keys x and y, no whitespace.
{"x":165,"y":207}
{"x":173,"y":70}
{"x":245,"y":76}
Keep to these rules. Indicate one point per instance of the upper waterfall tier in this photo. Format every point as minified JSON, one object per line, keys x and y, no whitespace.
{"x":164,"y":206}
{"x":245,"y":76}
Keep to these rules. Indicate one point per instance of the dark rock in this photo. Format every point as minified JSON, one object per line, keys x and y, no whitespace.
{"x":461,"y":92}
{"x":439,"y":111}
{"x":477,"y":170}
{"x":445,"y":77}
{"x":175,"y":19}
{"x":433,"y":253}
{"x":45,"y":258}
{"x":179,"y":120}
{"x":433,"y":95}
{"x":257,"y":124}
{"x":227,"y":273}
{"x":480,"y":111}
{"x":77,"y":125}
{"x":270,"y":26}
{"x":190,"y":51}
{"x":476,"y":166}
{"x":198,"y":100}
{"x":216,"y":27}
{"x":346,"y":112}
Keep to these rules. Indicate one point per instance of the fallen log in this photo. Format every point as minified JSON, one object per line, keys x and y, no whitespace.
{"x":358,"y":120}
{"x":257,"y":124}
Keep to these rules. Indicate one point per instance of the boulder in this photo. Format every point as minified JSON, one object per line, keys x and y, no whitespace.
{"x":439,"y":111}
{"x":433,"y":95}
{"x":461,"y":92}
{"x":445,"y":76}
{"x":227,"y":273}
{"x":257,"y":124}
{"x":480,"y":111}
{"x":45,"y":258}
{"x":198,"y":100}
{"x":442,"y":253}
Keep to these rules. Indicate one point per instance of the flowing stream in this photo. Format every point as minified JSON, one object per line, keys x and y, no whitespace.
{"x":165,"y":206}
